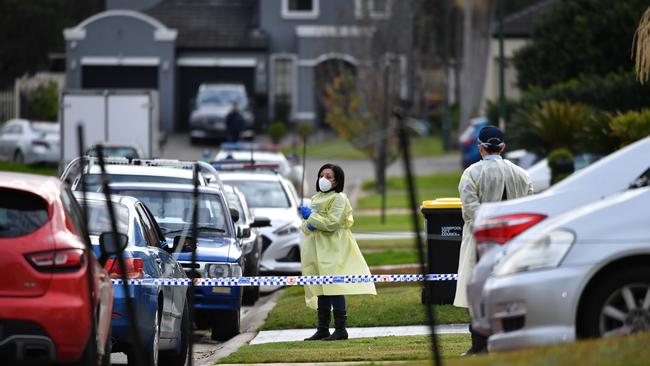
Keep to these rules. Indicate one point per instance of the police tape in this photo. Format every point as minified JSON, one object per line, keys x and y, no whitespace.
{"x":287,"y":280}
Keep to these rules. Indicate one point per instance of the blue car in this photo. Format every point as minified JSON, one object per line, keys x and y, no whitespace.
{"x":162,"y":311}
{"x":218,"y":254}
{"x":468,"y":141}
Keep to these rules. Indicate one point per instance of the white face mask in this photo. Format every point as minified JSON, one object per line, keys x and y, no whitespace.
{"x":324,"y":184}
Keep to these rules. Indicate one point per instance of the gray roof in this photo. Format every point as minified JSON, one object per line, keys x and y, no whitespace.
{"x":214,"y":24}
{"x":522,"y":23}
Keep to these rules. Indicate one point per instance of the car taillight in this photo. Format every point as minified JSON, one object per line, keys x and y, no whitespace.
{"x":500,"y":229}
{"x":43,"y":143}
{"x":57,"y":260}
{"x":133,"y":268}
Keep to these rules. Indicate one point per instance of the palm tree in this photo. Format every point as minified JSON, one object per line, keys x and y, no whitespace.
{"x":641,"y":47}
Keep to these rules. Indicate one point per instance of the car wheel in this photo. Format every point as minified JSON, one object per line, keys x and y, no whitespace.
{"x":19,"y":158}
{"x":619,"y":305}
{"x":226,"y":325}
{"x":108,"y":347}
{"x":173,"y":358}
{"x":251,"y":295}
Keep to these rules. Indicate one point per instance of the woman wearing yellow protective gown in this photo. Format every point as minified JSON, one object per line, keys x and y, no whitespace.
{"x":330,"y":249}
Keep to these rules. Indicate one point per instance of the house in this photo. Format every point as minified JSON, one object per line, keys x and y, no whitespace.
{"x":517,"y":31}
{"x":278,"y":49}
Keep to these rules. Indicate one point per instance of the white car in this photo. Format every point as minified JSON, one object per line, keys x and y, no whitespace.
{"x":272,"y":196}
{"x":540,"y":172}
{"x":582,"y":274}
{"x":498,"y":223}
{"x":28,"y":142}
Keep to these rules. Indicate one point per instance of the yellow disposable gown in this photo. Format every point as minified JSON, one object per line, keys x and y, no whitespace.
{"x":484,"y":182}
{"x":331,"y":248}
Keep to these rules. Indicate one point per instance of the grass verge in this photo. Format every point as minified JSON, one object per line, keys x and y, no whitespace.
{"x":19,"y":168}
{"x":393,"y":223}
{"x":338,"y":148}
{"x":360,"y":349}
{"x":391,"y":257}
{"x":394,"y":305}
{"x":387,"y":244}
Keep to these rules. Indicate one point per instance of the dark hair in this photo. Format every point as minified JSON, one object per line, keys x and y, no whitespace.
{"x":339,"y":177}
{"x":492,"y":148}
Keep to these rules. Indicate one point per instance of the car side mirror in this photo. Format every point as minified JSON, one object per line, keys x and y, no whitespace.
{"x":112,"y":243}
{"x":243,"y":232}
{"x":188,"y":244}
{"x":234,"y":214}
{"x":261,"y":222}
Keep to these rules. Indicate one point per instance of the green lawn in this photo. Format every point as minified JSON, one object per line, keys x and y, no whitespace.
{"x":393,"y":223}
{"x":391,"y":257}
{"x":337,"y":148}
{"x":387,"y":244}
{"x":19,"y":168}
{"x":395,"y":304}
{"x":429,"y":187}
{"x":360,"y":349}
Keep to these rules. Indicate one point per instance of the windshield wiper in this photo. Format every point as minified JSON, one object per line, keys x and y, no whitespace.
{"x":201,"y":228}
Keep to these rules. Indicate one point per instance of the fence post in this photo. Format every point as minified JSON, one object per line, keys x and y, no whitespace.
{"x":17,"y":98}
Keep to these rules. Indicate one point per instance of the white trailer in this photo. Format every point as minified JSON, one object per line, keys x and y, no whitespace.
{"x":109,"y":117}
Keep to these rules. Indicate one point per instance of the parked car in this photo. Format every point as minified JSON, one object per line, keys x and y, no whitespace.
{"x":118,"y":151}
{"x":270,"y":195}
{"x":261,"y":153}
{"x":212,"y":104}
{"x":218,"y":248}
{"x":163,"y":310}
{"x":251,"y":239}
{"x":30,"y":142}
{"x":496,"y":224}
{"x":540,"y":172}
{"x":578,"y":275}
{"x":468,"y":141}
{"x":522,"y":158}
{"x":46,"y":306}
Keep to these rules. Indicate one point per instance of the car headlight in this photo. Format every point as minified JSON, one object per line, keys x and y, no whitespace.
{"x":217,"y":270}
{"x":545,"y":252}
{"x":287,"y":229}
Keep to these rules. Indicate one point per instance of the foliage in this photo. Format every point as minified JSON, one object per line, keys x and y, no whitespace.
{"x":631,"y":126}
{"x":560,"y":161}
{"x":641,"y":46}
{"x":277,"y":131}
{"x":579,"y":37}
{"x":305,"y":129}
{"x":31,"y":30}
{"x":44,"y":102}
{"x":551,"y":125}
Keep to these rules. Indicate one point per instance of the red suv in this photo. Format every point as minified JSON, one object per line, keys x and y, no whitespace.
{"x":45,"y":306}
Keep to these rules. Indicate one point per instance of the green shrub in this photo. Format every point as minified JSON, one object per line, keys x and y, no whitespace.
{"x":560,"y":161}
{"x":631,"y":126}
{"x":277,"y":131}
{"x":305,"y":129}
{"x":44,"y":102}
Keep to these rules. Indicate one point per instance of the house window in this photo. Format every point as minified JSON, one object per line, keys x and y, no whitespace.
{"x":283,"y":86}
{"x":377,"y":9}
{"x":300,"y":9}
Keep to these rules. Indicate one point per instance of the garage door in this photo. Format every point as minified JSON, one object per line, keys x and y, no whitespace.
{"x":119,"y":77}
{"x":189,"y":79}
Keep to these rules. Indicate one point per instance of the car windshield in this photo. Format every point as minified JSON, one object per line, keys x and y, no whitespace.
{"x":99,"y":220}
{"x":263,"y":194}
{"x":117,"y":151}
{"x":93,"y":181}
{"x":222,"y":97}
{"x":173,"y":210}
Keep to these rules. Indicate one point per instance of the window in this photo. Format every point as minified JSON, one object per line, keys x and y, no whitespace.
{"x":300,"y":9}
{"x":21,"y":213}
{"x":263,"y":194}
{"x":283,"y":80}
{"x":377,"y":9}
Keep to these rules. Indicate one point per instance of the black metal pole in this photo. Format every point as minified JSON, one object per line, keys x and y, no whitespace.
{"x":304,"y":167}
{"x":384,"y":139}
{"x":404,"y":144}
{"x":446,"y":116}
{"x":194,"y":273}
{"x":502,"y":67}
{"x":130,"y":306}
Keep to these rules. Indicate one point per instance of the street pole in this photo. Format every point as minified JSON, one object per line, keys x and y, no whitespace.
{"x":502,"y":97}
{"x":446,"y":116}
{"x":384,"y":138}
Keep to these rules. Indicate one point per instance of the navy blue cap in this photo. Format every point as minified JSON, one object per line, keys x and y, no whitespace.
{"x":490,"y":135}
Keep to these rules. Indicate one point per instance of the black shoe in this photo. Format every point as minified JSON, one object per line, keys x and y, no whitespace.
{"x":339,"y":323}
{"x":321,"y":333}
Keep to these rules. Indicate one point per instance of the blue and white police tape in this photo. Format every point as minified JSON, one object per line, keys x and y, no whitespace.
{"x":288,"y":280}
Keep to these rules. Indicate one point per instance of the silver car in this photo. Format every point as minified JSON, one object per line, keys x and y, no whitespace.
{"x":582,"y":274}
{"x":28,"y":142}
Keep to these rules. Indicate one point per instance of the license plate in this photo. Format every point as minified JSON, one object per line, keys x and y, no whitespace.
{"x":221,"y":290}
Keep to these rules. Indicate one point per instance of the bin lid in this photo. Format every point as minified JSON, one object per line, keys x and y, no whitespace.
{"x":443,"y":203}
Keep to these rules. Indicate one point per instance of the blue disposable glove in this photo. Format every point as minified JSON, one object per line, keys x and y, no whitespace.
{"x":310,"y":228}
{"x":304,"y":211}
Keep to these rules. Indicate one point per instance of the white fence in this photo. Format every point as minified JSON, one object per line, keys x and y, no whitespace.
{"x":8,"y":105}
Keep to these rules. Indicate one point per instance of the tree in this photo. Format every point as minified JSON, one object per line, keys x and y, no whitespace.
{"x":578,"y":38}
{"x":31,"y":30}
